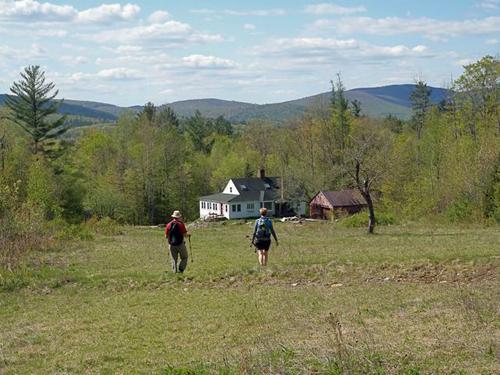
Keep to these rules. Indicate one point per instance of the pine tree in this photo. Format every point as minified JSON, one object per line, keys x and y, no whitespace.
{"x":32,"y":107}
{"x":340,"y":113}
{"x":421,"y":103}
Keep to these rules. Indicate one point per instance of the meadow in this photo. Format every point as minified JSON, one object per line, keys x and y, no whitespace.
{"x":414,"y":299}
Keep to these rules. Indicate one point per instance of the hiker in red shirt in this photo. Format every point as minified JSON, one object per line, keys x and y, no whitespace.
{"x":175,"y":232}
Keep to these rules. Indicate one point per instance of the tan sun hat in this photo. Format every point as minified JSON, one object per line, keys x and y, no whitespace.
{"x":177,"y":214}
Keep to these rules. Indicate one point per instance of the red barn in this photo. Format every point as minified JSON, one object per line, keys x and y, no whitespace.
{"x":328,"y":204}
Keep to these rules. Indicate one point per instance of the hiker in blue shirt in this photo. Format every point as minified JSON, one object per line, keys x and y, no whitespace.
{"x":261,"y":238}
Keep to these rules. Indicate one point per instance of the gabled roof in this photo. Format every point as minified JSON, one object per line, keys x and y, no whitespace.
{"x":257,"y":189}
{"x":219,"y":197}
{"x":344,"y":198}
{"x":252,"y":189}
{"x":256,"y":184}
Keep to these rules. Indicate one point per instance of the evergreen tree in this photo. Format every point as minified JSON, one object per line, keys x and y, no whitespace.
{"x":421,"y":103}
{"x":32,"y":107}
{"x":356,"y":108}
{"x":149,"y":111}
{"x":340,"y":113}
{"x":167,"y":117}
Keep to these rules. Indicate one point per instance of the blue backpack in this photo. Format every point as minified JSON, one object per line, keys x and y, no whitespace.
{"x":263,"y":232}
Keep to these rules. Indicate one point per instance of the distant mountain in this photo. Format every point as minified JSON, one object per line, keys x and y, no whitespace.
{"x":100,"y":112}
{"x":375,"y":101}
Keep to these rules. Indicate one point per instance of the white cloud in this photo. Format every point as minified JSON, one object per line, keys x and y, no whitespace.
{"x":52,"y":33}
{"x":159,"y":16}
{"x":293,"y":53}
{"x":74,"y":60}
{"x":31,"y":10}
{"x":108,"y":13}
{"x":35,"y":51}
{"x":304,"y":46}
{"x":12,"y":10}
{"x":232,"y":12}
{"x":112,"y":74}
{"x":492,"y":42}
{"x":207,"y":62}
{"x":397,"y":25}
{"x":119,"y":74}
{"x":393,"y":51}
{"x":249,"y":26}
{"x":258,"y":12}
{"x":464,"y":62}
{"x":171,"y":33}
{"x":327,"y":8}
{"x":489,"y":5}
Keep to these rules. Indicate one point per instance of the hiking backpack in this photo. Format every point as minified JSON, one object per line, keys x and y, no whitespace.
{"x":174,"y":234}
{"x":263,"y":232}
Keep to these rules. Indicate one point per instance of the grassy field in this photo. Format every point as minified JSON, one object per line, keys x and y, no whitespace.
{"x":408,"y":300}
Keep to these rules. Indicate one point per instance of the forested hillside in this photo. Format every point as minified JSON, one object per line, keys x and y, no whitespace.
{"x":383,"y":101}
{"x":442,"y":163}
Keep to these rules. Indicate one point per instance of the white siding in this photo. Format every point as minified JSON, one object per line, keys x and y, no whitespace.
{"x":205,"y":211}
{"x":231,"y":188}
{"x":244,"y":212}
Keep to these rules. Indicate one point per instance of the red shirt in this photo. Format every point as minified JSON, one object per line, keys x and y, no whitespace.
{"x":182,"y":227}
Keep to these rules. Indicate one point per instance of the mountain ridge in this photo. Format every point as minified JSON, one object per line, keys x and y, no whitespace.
{"x":377,"y":101}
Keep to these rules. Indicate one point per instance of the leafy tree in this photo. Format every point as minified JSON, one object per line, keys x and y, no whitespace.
{"x":167,"y":117}
{"x":421,"y":103}
{"x":479,"y":86}
{"x":32,"y":107}
{"x":149,"y":111}
{"x":222,"y":126}
{"x":394,"y":124}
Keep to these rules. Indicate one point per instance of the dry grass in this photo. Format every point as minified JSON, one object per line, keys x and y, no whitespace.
{"x":407,"y":301}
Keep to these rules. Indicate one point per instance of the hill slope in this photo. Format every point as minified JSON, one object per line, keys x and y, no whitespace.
{"x":375,"y":102}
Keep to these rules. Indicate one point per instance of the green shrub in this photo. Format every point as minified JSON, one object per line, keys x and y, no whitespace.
{"x":105,"y":226}
{"x":360,"y":219}
{"x":459,"y":211}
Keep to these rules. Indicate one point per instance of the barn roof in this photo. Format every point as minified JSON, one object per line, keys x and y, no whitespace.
{"x":344,"y":198}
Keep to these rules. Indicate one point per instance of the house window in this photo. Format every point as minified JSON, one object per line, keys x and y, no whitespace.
{"x":215,"y":206}
{"x":227,"y":208}
{"x":210,"y":205}
{"x":250,"y":206}
{"x":233,"y":208}
{"x":230,"y":189}
{"x":261,"y":204}
{"x":268,"y":205}
{"x":238,"y":208}
{"x":202,"y":204}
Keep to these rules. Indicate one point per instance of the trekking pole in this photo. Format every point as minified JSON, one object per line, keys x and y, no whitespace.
{"x":190,"y":249}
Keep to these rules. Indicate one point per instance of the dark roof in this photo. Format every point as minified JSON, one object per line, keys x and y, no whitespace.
{"x":256,"y":184}
{"x":344,"y":198}
{"x":219,"y":197}
{"x":251,"y":189}
{"x":257,"y":189}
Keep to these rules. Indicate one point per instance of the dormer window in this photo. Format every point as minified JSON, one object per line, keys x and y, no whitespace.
{"x":230,"y":189}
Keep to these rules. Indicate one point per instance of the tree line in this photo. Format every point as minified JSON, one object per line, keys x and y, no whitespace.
{"x":444,"y":162}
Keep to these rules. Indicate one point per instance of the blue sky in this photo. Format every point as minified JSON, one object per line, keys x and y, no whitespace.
{"x":257,"y":51}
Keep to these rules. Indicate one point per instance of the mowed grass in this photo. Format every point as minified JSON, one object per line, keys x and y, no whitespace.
{"x":408,"y":300}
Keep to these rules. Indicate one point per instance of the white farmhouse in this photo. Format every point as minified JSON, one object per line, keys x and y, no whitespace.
{"x":243,"y":197}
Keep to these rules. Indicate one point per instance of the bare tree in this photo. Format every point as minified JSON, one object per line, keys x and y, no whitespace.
{"x":365,"y":160}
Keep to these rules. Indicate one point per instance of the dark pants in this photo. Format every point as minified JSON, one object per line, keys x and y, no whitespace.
{"x":175,"y":252}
